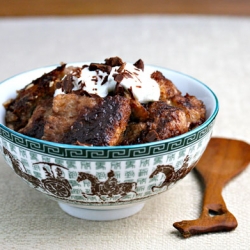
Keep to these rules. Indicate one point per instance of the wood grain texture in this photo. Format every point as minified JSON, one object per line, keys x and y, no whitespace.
{"x":222,"y":161}
{"x":115,"y":7}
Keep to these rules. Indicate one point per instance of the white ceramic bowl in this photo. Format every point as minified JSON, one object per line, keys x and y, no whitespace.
{"x":75,"y":176}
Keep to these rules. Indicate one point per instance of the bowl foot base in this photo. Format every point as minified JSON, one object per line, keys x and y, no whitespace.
{"x":100,"y":214}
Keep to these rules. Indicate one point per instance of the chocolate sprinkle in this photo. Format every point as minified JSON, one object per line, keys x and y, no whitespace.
{"x":100,"y":66}
{"x":127,"y":74}
{"x":66,"y":84}
{"x":118,"y":77}
{"x":114,"y":61}
{"x":139,"y":64}
{"x":85,"y":66}
{"x":94,"y":79}
{"x":105,"y":79}
{"x":121,"y":68}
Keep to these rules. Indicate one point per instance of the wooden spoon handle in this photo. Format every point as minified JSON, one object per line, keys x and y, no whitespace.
{"x":214,"y":217}
{"x":222,"y":160}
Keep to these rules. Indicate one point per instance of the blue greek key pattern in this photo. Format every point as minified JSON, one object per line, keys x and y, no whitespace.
{"x":106,"y":153}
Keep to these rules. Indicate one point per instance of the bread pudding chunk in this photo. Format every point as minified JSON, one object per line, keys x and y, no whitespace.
{"x":167,"y":88}
{"x":165,"y":121}
{"x":194,"y":109}
{"x":102,"y":125}
{"x":66,"y":109}
{"x":19,"y":110}
{"x":36,"y":123}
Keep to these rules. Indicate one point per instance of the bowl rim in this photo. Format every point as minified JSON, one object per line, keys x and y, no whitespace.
{"x":135,"y":146}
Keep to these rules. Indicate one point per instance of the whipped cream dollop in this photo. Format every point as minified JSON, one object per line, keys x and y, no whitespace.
{"x":103,"y":80}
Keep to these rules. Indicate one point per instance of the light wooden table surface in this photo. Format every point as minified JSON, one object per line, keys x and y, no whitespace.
{"x":96,"y":7}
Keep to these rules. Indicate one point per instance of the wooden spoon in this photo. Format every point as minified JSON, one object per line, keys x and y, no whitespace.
{"x":222,"y":160}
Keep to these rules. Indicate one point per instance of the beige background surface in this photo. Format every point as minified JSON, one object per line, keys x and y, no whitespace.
{"x":213,"y":49}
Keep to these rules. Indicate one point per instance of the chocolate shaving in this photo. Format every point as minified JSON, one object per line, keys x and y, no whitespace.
{"x":105,"y":79}
{"x":121,"y":68}
{"x":127,"y":74}
{"x":118,"y":77}
{"x":139,"y":64}
{"x":114,"y":61}
{"x":82,"y":84}
{"x":67,"y":84}
{"x":94,"y":79}
{"x":100,"y":66}
{"x":85,"y":66}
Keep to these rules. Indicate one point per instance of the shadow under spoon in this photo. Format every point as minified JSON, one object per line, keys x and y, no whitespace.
{"x":222,"y":160}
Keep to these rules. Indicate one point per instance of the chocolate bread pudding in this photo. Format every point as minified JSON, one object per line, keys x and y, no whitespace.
{"x":103,"y":104}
